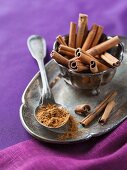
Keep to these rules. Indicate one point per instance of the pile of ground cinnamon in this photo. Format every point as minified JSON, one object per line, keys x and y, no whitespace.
{"x":52,"y":115}
{"x":73,"y":131}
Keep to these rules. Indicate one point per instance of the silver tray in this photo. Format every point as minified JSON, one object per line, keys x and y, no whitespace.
{"x":70,"y":97}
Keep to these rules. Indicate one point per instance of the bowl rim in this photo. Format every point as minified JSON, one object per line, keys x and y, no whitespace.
{"x":94,"y":74}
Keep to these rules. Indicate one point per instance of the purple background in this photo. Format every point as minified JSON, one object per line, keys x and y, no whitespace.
{"x":19,"y":20}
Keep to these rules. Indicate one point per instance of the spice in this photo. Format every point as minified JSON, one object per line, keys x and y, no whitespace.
{"x":90,"y":38}
{"x":64,"y":49}
{"x":52,"y":115}
{"x":82,"y":29}
{"x":93,"y":67}
{"x":82,"y":109}
{"x":107,"y":112}
{"x":93,"y":48}
{"x":76,"y":65}
{"x":60,"y":40}
{"x":59,"y":58}
{"x":84,"y":57}
{"x":97,"y":36}
{"x":104,"y":46}
{"x":110,"y":59}
{"x":73,"y":131}
{"x":88,"y":119}
{"x":72,"y":35}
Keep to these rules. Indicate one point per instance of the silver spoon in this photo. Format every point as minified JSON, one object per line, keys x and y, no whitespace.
{"x":37,"y":47}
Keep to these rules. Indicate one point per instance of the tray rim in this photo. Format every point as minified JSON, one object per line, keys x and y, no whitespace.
{"x":41,"y":138}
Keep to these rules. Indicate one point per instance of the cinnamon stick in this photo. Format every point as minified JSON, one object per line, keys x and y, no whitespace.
{"x":77,"y":51}
{"x":67,"y":53}
{"x":107,"y":112}
{"x":82,"y":29}
{"x":77,"y":66}
{"x":88,"y":42}
{"x":84,"y":18}
{"x":66,"y":48}
{"x":72,"y":35}
{"x":59,"y":58}
{"x":61,"y":40}
{"x":88,"y":119}
{"x":82,"y":109}
{"x":97,"y":57}
{"x":110,"y":59}
{"x":93,"y":67}
{"x":104,"y":46}
{"x":97,"y":36}
{"x":87,"y":58}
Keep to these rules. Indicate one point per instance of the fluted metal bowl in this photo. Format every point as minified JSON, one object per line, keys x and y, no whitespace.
{"x":89,"y":80}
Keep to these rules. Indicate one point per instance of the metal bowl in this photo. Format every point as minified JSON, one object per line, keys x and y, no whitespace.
{"x":89,"y":80}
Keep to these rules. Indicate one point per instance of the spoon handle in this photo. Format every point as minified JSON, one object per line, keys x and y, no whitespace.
{"x":47,"y":96}
{"x":37,"y":48}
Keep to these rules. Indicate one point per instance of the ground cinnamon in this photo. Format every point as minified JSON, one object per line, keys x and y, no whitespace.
{"x":52,"y":115}
{"x":73,"y":131}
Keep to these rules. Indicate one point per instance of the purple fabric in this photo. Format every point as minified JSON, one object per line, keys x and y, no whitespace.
{"x":103,"y":153}
{"x":20,"y":19}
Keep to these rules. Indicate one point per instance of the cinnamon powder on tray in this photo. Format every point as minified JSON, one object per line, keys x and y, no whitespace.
{"x":52,"y":115}
{"x":73,"y":131}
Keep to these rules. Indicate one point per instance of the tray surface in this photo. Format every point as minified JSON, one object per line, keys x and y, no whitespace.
{"x":70,"y":97}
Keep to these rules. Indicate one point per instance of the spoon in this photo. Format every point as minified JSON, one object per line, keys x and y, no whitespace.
{"x":37,"y":47}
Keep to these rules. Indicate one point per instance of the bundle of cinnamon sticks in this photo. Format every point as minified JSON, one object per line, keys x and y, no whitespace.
{"x":105,"y":107}
{"x":83,"y":52}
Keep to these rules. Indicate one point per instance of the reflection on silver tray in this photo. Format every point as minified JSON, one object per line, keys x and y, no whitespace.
{"x":70,"y":97}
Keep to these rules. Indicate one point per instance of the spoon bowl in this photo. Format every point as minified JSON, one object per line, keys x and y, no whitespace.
{"x":62,"y":128}
{"x":37,"y":47}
